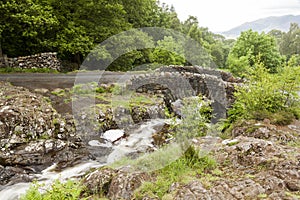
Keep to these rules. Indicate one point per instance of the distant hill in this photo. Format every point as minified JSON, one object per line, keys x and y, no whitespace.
{"x":265,"y":24}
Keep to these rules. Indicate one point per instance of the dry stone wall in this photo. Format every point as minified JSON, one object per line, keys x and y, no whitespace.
{"x":43,"y":61}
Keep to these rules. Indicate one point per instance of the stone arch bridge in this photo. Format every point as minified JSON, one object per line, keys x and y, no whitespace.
{"x":177,"y":82}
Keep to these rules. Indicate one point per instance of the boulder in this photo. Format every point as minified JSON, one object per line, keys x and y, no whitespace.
{"x":33,"y":134}
{"x":114,"y":183}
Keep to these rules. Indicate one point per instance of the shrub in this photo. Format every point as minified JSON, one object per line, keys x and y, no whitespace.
{"x":69,"y":190}
{"x":196,"y":115}
{"x":266,"y":95}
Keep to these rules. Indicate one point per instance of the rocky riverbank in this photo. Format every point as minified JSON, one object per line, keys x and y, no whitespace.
{"x":250,"y":165}
{"x":33,"y":135}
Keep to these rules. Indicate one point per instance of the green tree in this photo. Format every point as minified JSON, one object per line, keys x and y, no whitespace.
{"x":24,"y":26}
{"x":277,"y":34}
{"x":220,"y":50}
{"x":140,"y":13}
{"x":168,"y":52}
{"x":84,"y":24}
{"x":290,"y":43}
{"x":251,"y":47}
{"x":128,"y":50}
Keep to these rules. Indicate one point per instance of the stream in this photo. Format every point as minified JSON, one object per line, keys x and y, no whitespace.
{"x":138,"y":140}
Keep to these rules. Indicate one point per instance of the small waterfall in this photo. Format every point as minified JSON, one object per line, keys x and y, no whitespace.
{"x":138,"y":141}
{"x":47,"y":176}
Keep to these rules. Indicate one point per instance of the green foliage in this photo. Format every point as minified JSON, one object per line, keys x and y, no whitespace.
{"x":74,"y":28}
{"x":128,"y":42}
{"x":265,"y":95}
{"x":33,"y":193}
{"x":220,"y":50}
{"x":277,"y":34}
{"x":141,"y":13}
{"x":196,"y":114}
{"x":20,"y":70}
{"x":290,"y":42}
{"x":88,"y":88}
{"x":59,"y":92}
{"x":250,"y":47}
{"x":168,"y":52}
{"x":69,"y":190}
{"x":92,"y":88}
{"x":117,"y":89}
{"x":193,"y":160}
{"x":25,"y":24}
{"x":183,"y":169}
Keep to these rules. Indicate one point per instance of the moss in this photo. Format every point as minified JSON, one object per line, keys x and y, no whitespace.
{"x":33,"y":70}
{"x":59,"y":92}
{"x":262,"y":196}
{"x":295,"y":143}
{"x":295,"y":195}
{"x":251,"y":129}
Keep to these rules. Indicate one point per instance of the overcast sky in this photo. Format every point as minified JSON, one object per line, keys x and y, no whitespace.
{"x":222,"y":15}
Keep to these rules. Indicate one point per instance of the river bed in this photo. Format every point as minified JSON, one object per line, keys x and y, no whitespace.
{"x":138,"y":140}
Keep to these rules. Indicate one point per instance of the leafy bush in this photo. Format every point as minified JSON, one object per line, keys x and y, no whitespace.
{"x":267,"y":95}
{"x":196,"y":115}
{"x":69,"y":190}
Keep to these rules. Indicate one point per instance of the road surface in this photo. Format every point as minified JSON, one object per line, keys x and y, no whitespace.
{"x":51,"y":81}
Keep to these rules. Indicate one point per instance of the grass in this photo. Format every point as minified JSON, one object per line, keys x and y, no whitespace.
{"x":295,"y":143}
{"x":59,"y":92}
{"x":182,"y":170}
{"x":32,"y":70}
{"x":70,"y":190}
{"x":262,"y":196}
{"x":295,"y":195}
{"x":111,"y":97}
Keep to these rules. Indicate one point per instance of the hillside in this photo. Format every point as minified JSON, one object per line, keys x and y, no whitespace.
{"x":265,"y":24}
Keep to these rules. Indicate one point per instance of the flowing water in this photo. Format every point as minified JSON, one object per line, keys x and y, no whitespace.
{"x":139,"y":140}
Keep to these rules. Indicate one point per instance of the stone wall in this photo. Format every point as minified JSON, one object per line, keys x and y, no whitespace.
{"x":43,"y":60}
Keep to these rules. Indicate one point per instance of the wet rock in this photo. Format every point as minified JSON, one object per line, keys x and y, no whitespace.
{"x":11,"y":175}
{"x":100,"y":119}
{"x":293,"y":185}
{"x":162,"y":136}
{"x":251,"y":168}
{"x":124,"y":183}
{"x":32,"y":133}
{"x":114,"y":184}
{"x":113,"y":135}
{"x":98,"y":182}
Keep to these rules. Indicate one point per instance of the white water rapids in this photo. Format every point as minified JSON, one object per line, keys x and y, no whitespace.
{"x":138,"y":140}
